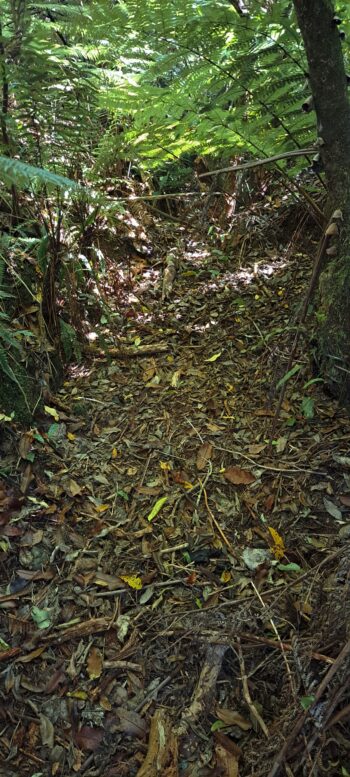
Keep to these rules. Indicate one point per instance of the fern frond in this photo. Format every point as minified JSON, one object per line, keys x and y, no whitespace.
{"x":21,"y":174}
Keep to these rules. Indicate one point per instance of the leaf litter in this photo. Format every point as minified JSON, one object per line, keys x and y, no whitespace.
{"x":175,"y":582}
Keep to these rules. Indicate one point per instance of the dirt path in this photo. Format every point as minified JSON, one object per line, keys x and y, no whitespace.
{"x":169,"y":569}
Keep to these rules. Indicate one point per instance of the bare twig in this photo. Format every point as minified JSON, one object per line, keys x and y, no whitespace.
{"x":259,"y":162}
{"x":246,"y":693}
{"x":274,"y":628}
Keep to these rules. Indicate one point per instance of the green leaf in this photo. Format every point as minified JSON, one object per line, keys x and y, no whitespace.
{"x":52,"y":431}
{"x":123,"y":494}
{"x":157,"y":507}
{"x":289,"y":375}
{"x":292,"y":567}
{"x":41,"y":618}
{"x":307,"y":407}
{"x":312,"y":381}
{"x":307,"y":701}
{"x":217,"y":726}
{"x":21,"y":174}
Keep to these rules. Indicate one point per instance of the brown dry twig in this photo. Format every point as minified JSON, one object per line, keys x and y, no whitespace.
{"x":247,"y":697}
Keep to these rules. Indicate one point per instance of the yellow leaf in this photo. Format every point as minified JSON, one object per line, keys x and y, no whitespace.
{"x":70,"y":436}
{"x":52,"y":411}
{"x":77,"y":694}
{"x":101,"y":508}
{"x":225,"y":576}
{"x":73,"y":488}
{"x":114,"y":453}
{"x":132,"y":580}
{"x":105,"y":703}
{"x":137,"y":341}
{"x":278,"y":547}
{"x":165,"y":465}
{"x":158,"y":506}
{"x":214,"y":357}
{"x":214,"y":428}
{"x":176,"y":378}
{"x":148,"y":373}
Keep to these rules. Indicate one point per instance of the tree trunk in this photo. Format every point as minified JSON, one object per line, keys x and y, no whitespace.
{"x":328,"y":84}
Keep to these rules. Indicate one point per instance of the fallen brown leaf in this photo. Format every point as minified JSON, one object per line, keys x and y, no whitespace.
{"x":204,"y":455}
{"x":130,"y":723}
{"x":94,"y":663}
{"x":88,"y":738}
{"x":239,"y":476}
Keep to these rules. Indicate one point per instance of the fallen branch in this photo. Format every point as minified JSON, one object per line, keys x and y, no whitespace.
{"x":171,"y":267}
{"x":161,"y":759}
{"x":205,"y":689}
{"x":259,"y":162}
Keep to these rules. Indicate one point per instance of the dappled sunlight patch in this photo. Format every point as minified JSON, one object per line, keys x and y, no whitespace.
{"x":195,"y":254}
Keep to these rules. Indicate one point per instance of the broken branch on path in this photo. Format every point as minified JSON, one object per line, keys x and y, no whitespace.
{"x":161,"y":756}
{"x":204,"y":690}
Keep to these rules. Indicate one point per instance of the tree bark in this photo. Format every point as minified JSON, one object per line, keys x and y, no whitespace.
{"x":328,"y":85}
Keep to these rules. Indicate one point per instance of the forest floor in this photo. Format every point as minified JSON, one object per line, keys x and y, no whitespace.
{"x":174,"y":557}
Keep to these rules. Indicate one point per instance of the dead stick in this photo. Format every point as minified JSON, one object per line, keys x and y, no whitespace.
{"x":254,"y":712}
{"x":259,"y":162}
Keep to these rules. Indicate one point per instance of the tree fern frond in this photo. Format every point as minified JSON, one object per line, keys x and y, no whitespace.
{"x":22,"y":174}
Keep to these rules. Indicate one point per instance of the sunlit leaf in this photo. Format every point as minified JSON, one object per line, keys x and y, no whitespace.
{"x":52,"y":411}
{"x":133,"y":581}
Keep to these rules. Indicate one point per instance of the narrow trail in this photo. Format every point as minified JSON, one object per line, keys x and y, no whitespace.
{"x":165,"y":550}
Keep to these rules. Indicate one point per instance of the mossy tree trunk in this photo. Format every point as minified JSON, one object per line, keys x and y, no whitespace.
{"x":328,"y":83}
